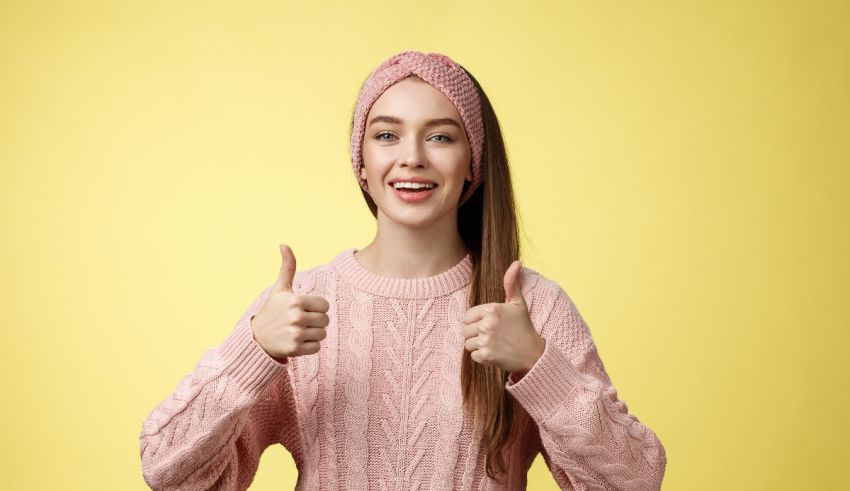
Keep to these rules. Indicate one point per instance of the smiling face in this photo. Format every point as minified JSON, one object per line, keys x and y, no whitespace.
{"x":414,"y":131}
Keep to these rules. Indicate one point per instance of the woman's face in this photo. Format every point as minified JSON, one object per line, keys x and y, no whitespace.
{"x":414,"y":130}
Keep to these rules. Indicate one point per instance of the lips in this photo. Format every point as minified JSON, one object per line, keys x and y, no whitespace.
{"x":413,"y":195}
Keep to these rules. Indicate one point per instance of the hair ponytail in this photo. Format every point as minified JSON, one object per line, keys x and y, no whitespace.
{"x":488,"y":226}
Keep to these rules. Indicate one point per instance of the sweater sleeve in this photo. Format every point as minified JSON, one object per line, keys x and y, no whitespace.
{"x":589,"y":439}
{"x":211,"y":431}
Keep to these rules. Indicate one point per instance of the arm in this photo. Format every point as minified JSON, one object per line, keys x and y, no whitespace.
{"x":210,"y":432}
{"x":589,"y":439}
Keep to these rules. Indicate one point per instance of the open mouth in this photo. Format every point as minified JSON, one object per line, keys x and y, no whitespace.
{"x":413,"y":188}
{"x":413,"y":193}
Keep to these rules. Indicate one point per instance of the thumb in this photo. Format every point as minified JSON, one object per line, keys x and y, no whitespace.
{"x":287,"y":270}
{"x":513,"y":292}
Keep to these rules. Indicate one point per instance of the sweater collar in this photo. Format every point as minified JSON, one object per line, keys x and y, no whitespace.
{"x":440,"y":284}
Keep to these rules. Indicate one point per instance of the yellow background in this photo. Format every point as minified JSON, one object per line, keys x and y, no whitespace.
{"x":681,"y":170}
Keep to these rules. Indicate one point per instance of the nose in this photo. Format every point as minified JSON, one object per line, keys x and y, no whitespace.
{"x":413,"y":154}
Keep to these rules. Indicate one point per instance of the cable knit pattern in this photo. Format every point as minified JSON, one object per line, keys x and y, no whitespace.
{"x":359,"y":366}
{"x":450,"y":395}
{"x":204,"y":435}
{"x":307,"y":396}
{"x":379,"y":407}
{"x":329,"y":365}
{"x":589,"y":438}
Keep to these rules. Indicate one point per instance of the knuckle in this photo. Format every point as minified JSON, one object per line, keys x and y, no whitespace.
{"x":476,"y":355}
{"x":292,"y":309}
{"x":484,"y":354}
{"x":319,"y":304}
{"x":297,"y":301}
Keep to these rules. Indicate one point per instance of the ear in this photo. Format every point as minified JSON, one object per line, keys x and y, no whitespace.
{"x":469,"y":173}
{"x":362,"y":175}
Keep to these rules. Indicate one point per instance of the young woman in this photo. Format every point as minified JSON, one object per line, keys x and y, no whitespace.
{"x":429,"y":359}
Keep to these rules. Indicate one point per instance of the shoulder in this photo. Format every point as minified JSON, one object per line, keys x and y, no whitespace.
{"x":313,"y":281}
{"x":553,"y":312}
{"x":310,"y":281}
{"x":539,"y":291}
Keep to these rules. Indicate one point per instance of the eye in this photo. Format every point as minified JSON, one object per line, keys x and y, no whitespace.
{"x":381,"y":134}
{"x":447,"y":138}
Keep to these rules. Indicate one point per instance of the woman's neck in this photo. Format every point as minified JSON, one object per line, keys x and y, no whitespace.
{"x":407,"y":252}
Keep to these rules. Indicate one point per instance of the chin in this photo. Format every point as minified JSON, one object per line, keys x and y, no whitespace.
{"x":414,"y":220}
{"x":415,"y":217}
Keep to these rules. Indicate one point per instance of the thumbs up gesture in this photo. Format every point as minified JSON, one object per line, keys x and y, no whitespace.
{"x":290,"y":324}
{"x":501,"y":334}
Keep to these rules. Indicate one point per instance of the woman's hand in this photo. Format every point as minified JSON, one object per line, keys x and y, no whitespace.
{"x":290,"y":324}
{"x":501,"y":334}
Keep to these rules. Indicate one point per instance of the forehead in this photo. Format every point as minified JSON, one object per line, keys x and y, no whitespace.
{"x":413,"y":98}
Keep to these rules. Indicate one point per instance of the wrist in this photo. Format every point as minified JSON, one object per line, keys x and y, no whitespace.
{"x":280,"y":359}
{"x":515,"y":376}
{"x":538,"y":352}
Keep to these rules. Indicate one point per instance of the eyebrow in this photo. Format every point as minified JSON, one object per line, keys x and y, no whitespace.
{"x":430,"y":123}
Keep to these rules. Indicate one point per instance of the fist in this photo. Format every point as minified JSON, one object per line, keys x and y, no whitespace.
{"x":502,"y":334}
{"x":290,"y":324}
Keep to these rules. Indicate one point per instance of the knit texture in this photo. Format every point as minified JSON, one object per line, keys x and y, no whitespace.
{"x":441,"y":72}
{"x":379,"y":406}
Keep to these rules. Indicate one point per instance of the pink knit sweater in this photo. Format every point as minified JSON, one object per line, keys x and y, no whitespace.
{"x":379,"y":406}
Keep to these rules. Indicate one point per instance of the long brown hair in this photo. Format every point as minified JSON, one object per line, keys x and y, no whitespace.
{"x":487,"y":223}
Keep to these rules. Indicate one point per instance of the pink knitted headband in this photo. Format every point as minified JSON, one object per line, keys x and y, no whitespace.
{"x":443,"y":73}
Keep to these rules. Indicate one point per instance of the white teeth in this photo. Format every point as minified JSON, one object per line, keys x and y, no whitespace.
{"x":412,"y":185}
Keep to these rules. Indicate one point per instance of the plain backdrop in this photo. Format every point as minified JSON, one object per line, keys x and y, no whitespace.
{"x":680,"y":169}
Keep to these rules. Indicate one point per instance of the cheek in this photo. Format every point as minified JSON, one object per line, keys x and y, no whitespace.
{"x":375,"y":166}
{"x":461,"y":162}
{"x":460,"y":166}
{"x":374,"y":154}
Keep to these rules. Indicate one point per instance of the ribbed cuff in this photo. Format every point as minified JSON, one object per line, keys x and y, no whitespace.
{"x":549,"y":384}
{"x":246,"y":362}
